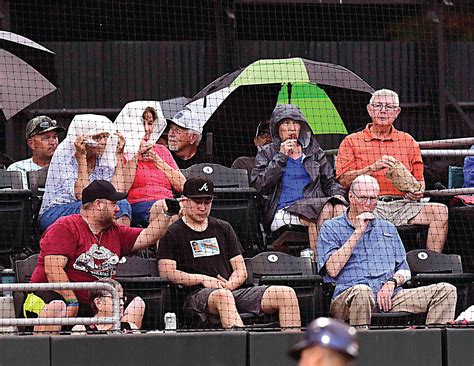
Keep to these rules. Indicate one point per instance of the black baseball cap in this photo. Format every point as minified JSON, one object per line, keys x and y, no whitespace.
{"x":41,"y":124}
{"x":101,"y":189}
{"x":198,"y":187}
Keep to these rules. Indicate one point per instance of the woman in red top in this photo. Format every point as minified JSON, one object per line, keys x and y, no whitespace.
{"x":151,"y":173}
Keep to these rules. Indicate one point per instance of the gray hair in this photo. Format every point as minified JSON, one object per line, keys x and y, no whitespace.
{"x":368,"y":179}
{"x":385,"y":93}
{"x":198,"y":135}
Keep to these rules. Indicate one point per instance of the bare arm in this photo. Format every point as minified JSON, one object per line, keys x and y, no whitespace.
{"x":385,"y":161}
{"x":168,"y":270}
{"x":130,"y":167}
{"x":81,"y":157}
{"x":156,"y":229}
{"x":174,"y":176}
{"x":346,"y":179}
{"x":339,"y":258}
{"x":238,"y":276}
{"x":54,"y":268}
{"x":129,"y":170}
{"x":118,"y":180}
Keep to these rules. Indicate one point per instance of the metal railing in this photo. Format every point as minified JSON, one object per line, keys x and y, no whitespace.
{"x":114,"y":319}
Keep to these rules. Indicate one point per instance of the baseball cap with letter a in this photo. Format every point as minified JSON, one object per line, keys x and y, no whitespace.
{"x":198,"y":187}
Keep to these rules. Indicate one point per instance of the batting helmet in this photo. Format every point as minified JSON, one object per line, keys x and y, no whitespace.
{"x":329,"y":333}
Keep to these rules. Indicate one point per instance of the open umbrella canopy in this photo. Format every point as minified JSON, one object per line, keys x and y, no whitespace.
{"x":315,"y":104}
{"x":332,"y":98}
{"x":20,"y":84}
{"x":34,"y":54}
{"x":172,"y":106}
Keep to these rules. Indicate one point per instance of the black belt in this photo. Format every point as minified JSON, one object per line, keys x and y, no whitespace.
{"x":390,"y":198}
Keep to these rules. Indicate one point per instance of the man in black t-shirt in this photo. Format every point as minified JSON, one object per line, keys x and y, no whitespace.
{"x":204,"y":252}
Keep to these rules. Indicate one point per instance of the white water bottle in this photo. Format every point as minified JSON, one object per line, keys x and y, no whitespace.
{"x":170,"y":322}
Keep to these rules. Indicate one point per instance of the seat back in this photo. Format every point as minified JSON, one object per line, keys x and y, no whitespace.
{"x":221,"y":176}
{"x":136,"y":267}
{"x":24,"y":268}
{"x":15,"y":220}
{"x":428,"y":261}
{"x":235,"y":201}
{"x":139,"y":276}
{"x":277,"y":264}
{"x":430,"y":267}
{"x":276,"y":268}
{"x":37,"y":181}
{"x":10,"y":180}
{"x":455,"y":177}
{"x":37,"y":186}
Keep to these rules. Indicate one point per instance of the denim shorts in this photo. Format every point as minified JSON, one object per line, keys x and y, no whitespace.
{"x":52,"y":214}
{"x":141,"y":213}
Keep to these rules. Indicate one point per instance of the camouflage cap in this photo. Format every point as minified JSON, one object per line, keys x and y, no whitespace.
{"x":41,"y":124}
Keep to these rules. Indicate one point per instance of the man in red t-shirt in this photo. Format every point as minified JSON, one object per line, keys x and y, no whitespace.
{"x":86,"y":247}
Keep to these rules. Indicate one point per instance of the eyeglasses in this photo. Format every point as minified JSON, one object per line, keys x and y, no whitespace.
{"x":101,"y":136}
{"x":388,"y":107}
{"x":366,"y":199}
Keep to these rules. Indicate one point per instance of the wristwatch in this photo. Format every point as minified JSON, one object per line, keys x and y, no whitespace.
{"x":394,"y":280}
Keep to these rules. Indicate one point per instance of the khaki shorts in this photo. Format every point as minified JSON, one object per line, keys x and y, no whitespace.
{"x":398,"y":212}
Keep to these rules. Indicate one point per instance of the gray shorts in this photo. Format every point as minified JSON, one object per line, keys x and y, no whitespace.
{"x":247,"y":300}
{"x":398,"y":212}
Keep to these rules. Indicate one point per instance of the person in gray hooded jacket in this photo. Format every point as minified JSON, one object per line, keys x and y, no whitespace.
{"x":295,"y":175}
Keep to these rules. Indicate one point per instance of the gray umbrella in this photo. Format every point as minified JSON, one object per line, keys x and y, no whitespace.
{"x":172,"y":106}
{"x":20,"y":84}
{"x":31,"y":52}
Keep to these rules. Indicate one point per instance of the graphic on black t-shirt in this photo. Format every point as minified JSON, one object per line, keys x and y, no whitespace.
{"x":205,"y":247}
{"x":97,"y":261}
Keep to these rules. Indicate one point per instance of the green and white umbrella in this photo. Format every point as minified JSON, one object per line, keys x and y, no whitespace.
{"x":326,"y":93}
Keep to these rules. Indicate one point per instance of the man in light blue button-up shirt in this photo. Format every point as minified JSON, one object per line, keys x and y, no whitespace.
{"x":364,"y":257}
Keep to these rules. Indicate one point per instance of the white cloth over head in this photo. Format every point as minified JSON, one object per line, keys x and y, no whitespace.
{"x":62,"y":174}
{"x":130,"y":123}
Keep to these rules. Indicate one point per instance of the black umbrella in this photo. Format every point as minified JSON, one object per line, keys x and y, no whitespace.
{"x":34,"y":54}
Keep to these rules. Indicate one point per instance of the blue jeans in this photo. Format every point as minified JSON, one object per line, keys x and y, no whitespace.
{"x":141,"y":213}
{"x":52,"y":214}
